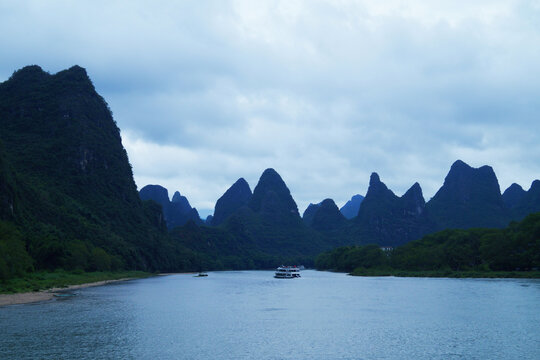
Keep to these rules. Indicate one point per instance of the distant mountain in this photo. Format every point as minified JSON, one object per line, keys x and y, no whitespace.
{"x":468,"y":198}
{"x":177,"y":212}
{"x":182,"y":212}
{"x":156,"y":193}
{"x":387,"y":219}
{"x":238,"y":195}
{"x":271,"y":221}
{"x":273,"y":199}
{"x":350,"y":209}
{"x":327,"y":217}
{"x":525,"y":203}
{"x":180,"y":203}
{"x":513,"y":195}
{"x":309,"y":213}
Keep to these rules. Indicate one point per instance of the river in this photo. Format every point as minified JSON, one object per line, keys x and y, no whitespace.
{"x":251,"y":315}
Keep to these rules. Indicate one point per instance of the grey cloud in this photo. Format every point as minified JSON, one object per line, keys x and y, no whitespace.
{"x":324,"y":91}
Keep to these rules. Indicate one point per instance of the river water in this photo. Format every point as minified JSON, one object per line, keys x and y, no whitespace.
{"x":251,"y":315}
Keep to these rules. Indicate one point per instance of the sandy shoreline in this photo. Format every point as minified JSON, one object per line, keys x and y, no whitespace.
{"x":36,"y":296}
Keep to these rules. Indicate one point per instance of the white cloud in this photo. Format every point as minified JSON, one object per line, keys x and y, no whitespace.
{"x":323,"y":91}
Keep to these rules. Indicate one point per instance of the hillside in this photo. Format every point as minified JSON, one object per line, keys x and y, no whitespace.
{"x":67,"y":186}
{"x":474,"y":252}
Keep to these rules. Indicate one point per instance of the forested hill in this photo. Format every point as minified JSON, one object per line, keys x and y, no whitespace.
{"x":67,"y":195}
{"x":473,"y":252}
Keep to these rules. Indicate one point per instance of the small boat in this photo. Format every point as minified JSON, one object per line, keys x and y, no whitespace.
{"x":287,"y":272}
{"x":63,"y":295}
{"x":201,"y":274}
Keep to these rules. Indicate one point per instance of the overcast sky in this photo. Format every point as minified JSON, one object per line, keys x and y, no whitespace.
{"x":325,"y":92}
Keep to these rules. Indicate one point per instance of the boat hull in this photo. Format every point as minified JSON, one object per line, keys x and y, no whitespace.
{"x":287,"y":272}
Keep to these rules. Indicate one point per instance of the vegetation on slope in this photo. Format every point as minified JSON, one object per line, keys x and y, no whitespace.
{"x":67,"y":195}
{"x":225,"y":249}
{"x":475,"y":251}
{"x":44,"y":280}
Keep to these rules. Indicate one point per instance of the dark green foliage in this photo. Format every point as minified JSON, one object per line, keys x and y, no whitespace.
{"x":14,"y":260}
{"x":59,"y":278}
{"x":515,"y":248}
{"x":349,"y":258}
{"x":449,"y":249}
{"x":66,"y":185}
{"x":219,"y":249}
{"x":7,"y":187}
{"x":275,"y":237}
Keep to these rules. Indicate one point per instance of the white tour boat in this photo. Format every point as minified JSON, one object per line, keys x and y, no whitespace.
{"x":287,"y":272}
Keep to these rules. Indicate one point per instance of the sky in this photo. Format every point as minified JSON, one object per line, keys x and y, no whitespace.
{"x":324,"y":92}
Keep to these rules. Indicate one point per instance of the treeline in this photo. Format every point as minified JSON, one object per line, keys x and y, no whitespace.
{"x":515,"y":248}
{"x":218,"y":248}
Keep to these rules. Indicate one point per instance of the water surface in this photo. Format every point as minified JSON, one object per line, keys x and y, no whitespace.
{"x":251,"y":315}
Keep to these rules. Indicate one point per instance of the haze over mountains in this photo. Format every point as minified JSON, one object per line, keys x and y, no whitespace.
{"x":351,"y":207}
{"x":68,"y":199}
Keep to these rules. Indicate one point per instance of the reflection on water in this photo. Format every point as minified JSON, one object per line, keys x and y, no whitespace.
{"x":251,"y":315}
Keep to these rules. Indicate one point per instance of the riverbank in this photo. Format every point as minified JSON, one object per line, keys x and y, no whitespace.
{"x":449,"y":274}
{"x":43,"y":286}
{"x":44,"y":295}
